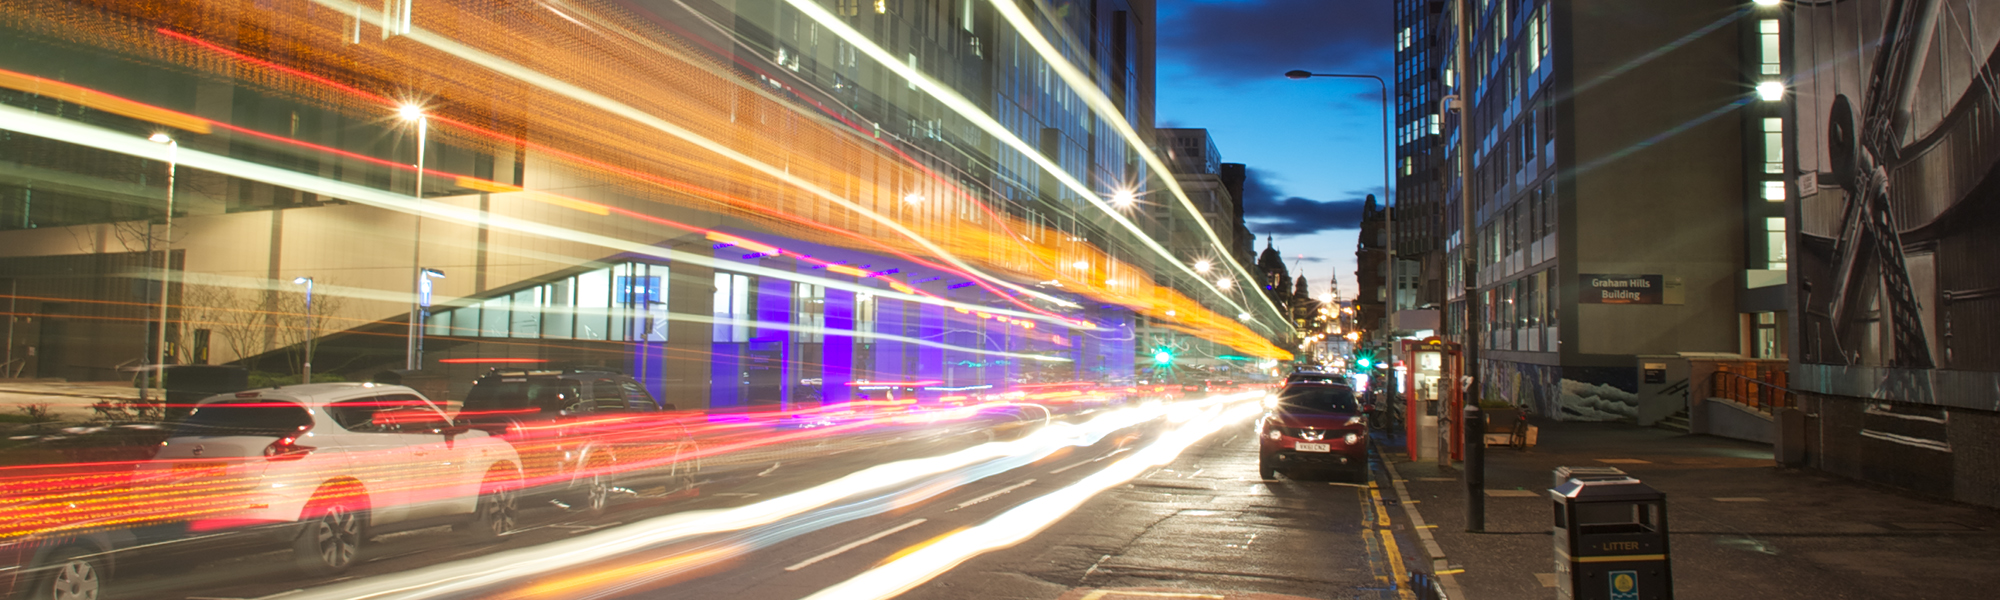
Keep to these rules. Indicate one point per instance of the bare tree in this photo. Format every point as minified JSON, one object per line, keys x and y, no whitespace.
{"x":296,"y":324}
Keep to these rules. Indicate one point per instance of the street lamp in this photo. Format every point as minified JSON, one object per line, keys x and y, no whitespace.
{"x":414,"y":113}
{"x":420,"y":314}
{"x":1124,"y":199}
{"x":1388,"y":217}
{"x":166,"y":266}
{"x":307,"y":373}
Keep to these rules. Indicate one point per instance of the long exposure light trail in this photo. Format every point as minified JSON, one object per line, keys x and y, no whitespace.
{"x":688,"y":91}
{"x":1025,"y":521}
{"x":972,"y":112}
{"x":509,"y":68}
{"x":1094,"y":98}
{"x":566,"y":555}
{"x":52,"y":127}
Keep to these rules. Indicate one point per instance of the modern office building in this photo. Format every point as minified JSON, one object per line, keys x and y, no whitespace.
{"x":766,"y":202}
{"x":1621,"y":181}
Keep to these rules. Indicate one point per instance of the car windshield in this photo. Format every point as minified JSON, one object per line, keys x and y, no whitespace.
{"x":248,"y":417}
{"x":1317,"y":399}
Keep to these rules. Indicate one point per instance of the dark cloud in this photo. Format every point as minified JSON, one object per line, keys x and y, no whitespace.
{"x":1262,"y":39}
{"x":1266,"y":212}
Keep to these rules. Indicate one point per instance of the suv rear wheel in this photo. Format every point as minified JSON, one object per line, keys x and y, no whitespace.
{"x":74,"y":574}
{"x":495,"y":514}
{"x":331,"y":538}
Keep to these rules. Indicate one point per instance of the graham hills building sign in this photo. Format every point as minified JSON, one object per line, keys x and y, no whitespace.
{"x":1629,"y":289}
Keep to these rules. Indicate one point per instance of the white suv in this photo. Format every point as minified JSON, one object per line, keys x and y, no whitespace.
{"x":327,"y":465}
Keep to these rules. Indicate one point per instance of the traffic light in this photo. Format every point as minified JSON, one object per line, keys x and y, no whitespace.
{"x":1364,"y":362}
{"x":1163,"y":357}
{"x":1365,"y":359}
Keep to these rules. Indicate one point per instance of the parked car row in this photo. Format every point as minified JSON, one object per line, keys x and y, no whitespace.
{"x":322,"y":468}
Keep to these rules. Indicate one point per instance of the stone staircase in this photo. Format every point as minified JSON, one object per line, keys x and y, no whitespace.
{"x":1675,"y":422}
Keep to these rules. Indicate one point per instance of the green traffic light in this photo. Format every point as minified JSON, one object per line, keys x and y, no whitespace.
{"x":1163,"y":357}
{"x":1364,"y":362}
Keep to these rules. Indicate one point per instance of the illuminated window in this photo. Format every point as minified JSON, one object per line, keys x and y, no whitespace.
{"x":1774,"y":240}
{"x":1774,"y":191}
{"x":1434,"y":124}
{"x":1535,"y":41}
{"x":881,"y":7}
{"x":1768,"y":35}
{"x":732,"y":307}
{"x":1774,"y":145}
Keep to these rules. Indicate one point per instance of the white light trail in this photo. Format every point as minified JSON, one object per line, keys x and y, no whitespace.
{"x":508,"y":68}
{"x":52,"y":127}
{"x":1086,"y":88}
{"x":1024,"y":521}
{"x":966,"y":108}
{"x":580,"y":553}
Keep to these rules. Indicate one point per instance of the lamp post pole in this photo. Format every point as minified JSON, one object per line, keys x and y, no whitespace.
{"x":411,"y":112}
{"x":1388,"y":227}
{"x":1471,"y":424}
{"x":156,"y":360}
{"x":306,"y":375}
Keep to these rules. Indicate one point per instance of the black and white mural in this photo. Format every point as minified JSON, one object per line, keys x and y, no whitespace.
{"x":1897,"y":257}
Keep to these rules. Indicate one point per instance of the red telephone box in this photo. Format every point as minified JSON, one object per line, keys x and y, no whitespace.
{"x":1431,"y":391}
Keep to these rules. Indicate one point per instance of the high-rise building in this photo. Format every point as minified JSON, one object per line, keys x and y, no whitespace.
{"x":1619,"y":182}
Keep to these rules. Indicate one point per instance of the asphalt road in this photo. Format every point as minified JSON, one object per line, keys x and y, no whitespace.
{"x":1199,"y":526}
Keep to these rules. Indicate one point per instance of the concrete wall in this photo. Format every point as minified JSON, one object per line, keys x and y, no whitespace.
{"x":1726,"y":418}
{"x":1658,"y":186}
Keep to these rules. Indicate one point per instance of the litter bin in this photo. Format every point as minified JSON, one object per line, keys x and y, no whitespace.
{"x":1565,"y":473}
{"x":1610,"y":539}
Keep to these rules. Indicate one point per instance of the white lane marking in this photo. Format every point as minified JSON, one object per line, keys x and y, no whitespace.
{"x":993,"y":495}
{"x":854,"y":544}
{"x":774,"y":467}
{"x":1079,"y":464}
{"x":1113,"y":453}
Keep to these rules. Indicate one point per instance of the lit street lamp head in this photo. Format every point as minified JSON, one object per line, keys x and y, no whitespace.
{"x":1298,"y":74}
{"x":410,"y":112}
{"x":1124,"y":199}
{"x":161,"y":138}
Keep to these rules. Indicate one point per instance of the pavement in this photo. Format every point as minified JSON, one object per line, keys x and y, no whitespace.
{"x":1740,"y":526}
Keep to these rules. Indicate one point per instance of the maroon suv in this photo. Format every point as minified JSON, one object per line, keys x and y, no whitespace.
{"x":1313,"y":425}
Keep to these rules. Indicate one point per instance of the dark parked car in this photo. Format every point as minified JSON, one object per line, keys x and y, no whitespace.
{"x":584,"y":435}
{"x":1313,"y":425}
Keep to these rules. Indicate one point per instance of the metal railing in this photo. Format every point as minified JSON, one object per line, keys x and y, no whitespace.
{"x":1767,"y":393}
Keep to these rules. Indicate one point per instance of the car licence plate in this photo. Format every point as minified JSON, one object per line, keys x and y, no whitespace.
{"x":1310,"y":447}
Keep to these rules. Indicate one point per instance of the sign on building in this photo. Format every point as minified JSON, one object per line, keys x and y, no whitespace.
{"x":1622,"y":289}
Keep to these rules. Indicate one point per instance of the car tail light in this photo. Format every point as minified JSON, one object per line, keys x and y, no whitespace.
{"x":288,"y":448}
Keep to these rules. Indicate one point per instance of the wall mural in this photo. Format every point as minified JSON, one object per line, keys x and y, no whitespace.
{"x":1898,"y":211}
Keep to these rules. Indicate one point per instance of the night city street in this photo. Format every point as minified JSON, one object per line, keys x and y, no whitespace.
{"x":999,"y":299}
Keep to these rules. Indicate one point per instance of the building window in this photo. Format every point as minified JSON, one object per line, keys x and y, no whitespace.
{"x":1774,"y":191}
{"x":732,"y":307}
{"x":1768,"y":35}
{"x":809,"y":312}
{"x":1774,"y":145}
{"x":1774,"y":240}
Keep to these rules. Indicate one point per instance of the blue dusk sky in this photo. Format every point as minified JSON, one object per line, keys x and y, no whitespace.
{"x":1313,"y":147}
